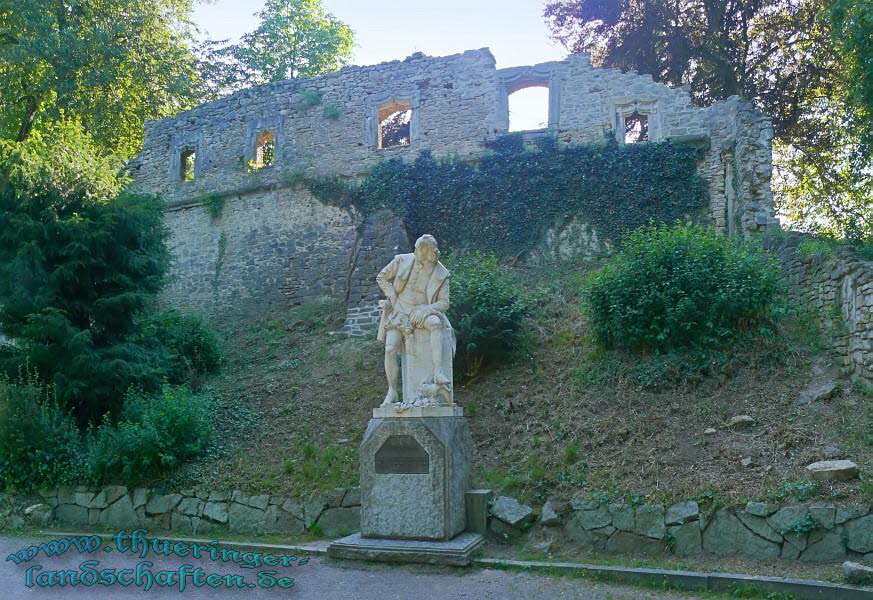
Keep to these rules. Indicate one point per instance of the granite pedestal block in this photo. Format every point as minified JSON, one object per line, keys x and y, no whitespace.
{"x":414,"y":473}
{"x":455,"y":552}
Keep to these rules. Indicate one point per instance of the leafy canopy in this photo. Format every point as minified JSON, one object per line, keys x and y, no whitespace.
{"x":295,"y":38}
{"x":111,"y":64}
{"x":806,"y":63}
{"x":80,"y":259}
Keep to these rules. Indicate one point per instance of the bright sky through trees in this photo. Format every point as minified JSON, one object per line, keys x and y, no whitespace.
{"x":513,"y":29}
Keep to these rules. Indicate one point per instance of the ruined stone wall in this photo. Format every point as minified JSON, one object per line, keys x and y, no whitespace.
{"x":273,"y":243}
{"x":840,"y":287}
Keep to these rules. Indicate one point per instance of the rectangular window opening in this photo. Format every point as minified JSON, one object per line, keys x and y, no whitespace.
{"x":265,"y":149}
{"x":636,"y":128}
{"x":187,"y":159}
{"x":394,"y":124}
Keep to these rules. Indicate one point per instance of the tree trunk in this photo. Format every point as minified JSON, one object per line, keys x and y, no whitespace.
{"x":28,"y":119}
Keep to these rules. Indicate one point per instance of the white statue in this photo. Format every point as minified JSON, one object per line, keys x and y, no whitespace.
{"x":415,"y":328}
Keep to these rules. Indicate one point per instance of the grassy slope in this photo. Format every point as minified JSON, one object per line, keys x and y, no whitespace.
{"x":294,"y":402}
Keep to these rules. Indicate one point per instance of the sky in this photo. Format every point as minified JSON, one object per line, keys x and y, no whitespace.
{"x":514,"y":30}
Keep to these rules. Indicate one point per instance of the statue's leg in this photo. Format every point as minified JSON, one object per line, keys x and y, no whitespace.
{"x":393,"y":341}
{"x":435,"y":326}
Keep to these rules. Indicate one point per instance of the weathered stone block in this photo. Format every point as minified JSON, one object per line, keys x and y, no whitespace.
{"x":760,"y":526}
{"x":404,"y":498}
{"x":682,"y":512}
{"x":827,"y":546}
{"x":216,"y":511}
{"x":477,"y":504}
{"x":622,"y":542}
{"x":72,"y":514}
{"x":340,"y":521}
{"x":859,"y":534}
{"x":120,"y":514}
{"x":160,"y":504}
{"x":650,"y":521}
{"x":686,"y":539}
{"x":246,"y":519}
{"x":727,"y":536}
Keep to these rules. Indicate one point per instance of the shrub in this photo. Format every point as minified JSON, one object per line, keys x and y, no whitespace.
{"x":187,"y":346}
{"x":488,"y":309}
{"x":39,"y":443}
{"x":153,"y":435}
{"x":80,"y":259}
{"x":679,"y":286}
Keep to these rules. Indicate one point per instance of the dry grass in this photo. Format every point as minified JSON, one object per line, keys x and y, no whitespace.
{"x":295,"y":402}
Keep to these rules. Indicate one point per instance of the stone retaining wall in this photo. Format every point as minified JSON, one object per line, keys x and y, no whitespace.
{"x":194,"y":512}
{"x":806,"y":532}
{"x":274,"y":243}
{"x":810,"y":533}
{"x":840,"y":287}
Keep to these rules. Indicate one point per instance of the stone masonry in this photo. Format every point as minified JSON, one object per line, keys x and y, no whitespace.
{"x":840,"y":287}
{"x":273,"y":243}
{"x":808,"y":532}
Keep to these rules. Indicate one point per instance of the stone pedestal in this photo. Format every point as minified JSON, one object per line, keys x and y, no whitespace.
{"x":414,"y":473}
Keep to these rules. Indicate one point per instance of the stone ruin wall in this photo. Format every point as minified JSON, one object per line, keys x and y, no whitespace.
{"x":274,"y":243}
{"x":839,"y":287}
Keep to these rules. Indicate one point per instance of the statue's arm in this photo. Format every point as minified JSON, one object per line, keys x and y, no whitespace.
{"x":442,"y":299}
{"x":385,"y":279}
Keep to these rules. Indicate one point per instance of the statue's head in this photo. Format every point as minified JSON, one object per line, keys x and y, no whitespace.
{"x":426,"y":249}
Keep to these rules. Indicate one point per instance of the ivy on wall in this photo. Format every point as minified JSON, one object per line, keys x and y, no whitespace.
{"x":507,"y":203}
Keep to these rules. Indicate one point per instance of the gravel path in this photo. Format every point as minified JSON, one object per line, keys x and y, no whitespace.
{"x":318,"y":579}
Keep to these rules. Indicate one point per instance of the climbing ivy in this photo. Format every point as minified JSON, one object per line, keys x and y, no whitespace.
{"x":507,"y":202}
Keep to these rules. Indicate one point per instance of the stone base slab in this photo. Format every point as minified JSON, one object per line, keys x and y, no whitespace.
{"x":455,"y":552}
{"x":389,"y":412}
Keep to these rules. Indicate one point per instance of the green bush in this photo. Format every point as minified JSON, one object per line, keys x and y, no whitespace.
{"x":153,"y":435}
{"x":39,"y":443}
{"x":187,"y":347}
{"x":679,"y":286}
{"x":488,"y":309}
{"x":80,"y":259}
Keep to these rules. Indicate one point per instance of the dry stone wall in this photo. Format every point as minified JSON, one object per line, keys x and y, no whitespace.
{"x":274,"y":243}
{"x":196,"y":512}
{"x":839,"y":286}
{"x":809,"y":532}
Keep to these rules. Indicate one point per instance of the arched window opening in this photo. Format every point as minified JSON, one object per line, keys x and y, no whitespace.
{"x":187,"y":160}
{"x":636,"y":128}
{"x":529,"y":108}
{"x":395,"y":119}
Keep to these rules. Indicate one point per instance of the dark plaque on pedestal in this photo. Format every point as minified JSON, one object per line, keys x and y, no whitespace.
{"x":402,"y":454}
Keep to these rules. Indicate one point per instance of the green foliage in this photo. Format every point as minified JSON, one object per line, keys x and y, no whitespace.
{"x":828,"y":246}
{"x":803,"y":525}
{"x":295,"y":39}
{"x":679,"y":286}
{"x":188,"y":348}
{"x":110,"y":63}
{"x":507,"y":204}
{"x":805,"y":63}
{"x":39,"y":442}
{"x":488,"y":310}
{"x":799,"y":490}
{"x":79,"y":260}
{"x":315,"y":468}
{"x":852,"y":32}
{"x":308,"y":99}
{"x":332,"y":111}
{"x":153,"y":435}
{"x":316,"y":315}
{"x":214,"y":204}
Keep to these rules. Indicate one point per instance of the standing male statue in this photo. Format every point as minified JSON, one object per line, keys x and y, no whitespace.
{"x":415,"y":328}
